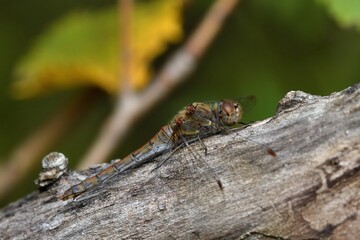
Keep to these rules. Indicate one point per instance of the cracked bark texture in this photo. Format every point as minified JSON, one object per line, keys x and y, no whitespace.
{"x":310,"y":190}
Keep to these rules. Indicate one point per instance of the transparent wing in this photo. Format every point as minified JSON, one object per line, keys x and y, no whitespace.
{"x":247,"y":103}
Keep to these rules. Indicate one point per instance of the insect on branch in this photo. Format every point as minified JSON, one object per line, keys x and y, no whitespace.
{"x":178,"y":67}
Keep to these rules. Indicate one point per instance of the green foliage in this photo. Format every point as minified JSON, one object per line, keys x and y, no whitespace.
{"x":346,"y":12}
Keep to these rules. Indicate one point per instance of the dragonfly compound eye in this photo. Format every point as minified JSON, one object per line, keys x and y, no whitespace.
{"x":230,"y":112}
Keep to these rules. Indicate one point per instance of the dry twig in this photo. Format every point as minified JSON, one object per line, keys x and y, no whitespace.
{"x":29,"y":152}
{"x":173,"y":73}
{"x":126,"y":12}
{"x":128,"y":109}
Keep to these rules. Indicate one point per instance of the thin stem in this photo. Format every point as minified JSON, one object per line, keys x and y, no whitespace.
{"x":126,"y":11}
{"x":179,"y":66}
{"x":29,"y":152}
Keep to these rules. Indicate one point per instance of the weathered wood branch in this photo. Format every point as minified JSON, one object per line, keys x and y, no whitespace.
{"x":310,"y":190}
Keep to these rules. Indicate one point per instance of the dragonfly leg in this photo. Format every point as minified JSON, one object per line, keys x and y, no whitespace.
{"x":203,"y":145}
{"x":167,"y":157}
{"x":214,"y":174}
{"x":245,"y":125}
{"x":269,"y":150}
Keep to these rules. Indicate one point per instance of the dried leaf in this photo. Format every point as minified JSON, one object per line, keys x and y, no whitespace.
{"x":82,"y":49}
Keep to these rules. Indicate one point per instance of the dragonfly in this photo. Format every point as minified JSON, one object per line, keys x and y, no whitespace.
{"x":195,"y":121}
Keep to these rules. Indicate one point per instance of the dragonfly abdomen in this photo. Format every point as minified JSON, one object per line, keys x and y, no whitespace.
{"x":163,"y":141}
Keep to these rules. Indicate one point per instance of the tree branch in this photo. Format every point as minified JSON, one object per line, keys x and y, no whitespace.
{"x":309,"y":191}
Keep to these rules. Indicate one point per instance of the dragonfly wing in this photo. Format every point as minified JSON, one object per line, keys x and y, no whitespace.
{"x":247,"y":103}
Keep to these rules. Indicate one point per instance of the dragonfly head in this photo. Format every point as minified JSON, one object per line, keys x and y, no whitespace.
{"x":230,"y":112}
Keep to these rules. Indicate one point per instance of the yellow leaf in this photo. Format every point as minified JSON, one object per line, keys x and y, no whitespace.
{"x":82,"y":49}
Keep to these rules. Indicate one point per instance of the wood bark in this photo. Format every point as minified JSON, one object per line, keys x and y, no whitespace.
{"x":310,"y":190}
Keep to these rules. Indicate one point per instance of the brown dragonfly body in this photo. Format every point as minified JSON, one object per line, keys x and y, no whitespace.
{"x":194,"y":121}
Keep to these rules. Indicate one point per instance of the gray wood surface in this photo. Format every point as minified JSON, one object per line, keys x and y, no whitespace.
{"x":310,"y":190}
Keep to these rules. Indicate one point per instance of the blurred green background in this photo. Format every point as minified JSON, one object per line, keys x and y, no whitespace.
{"x":266,"y":48}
